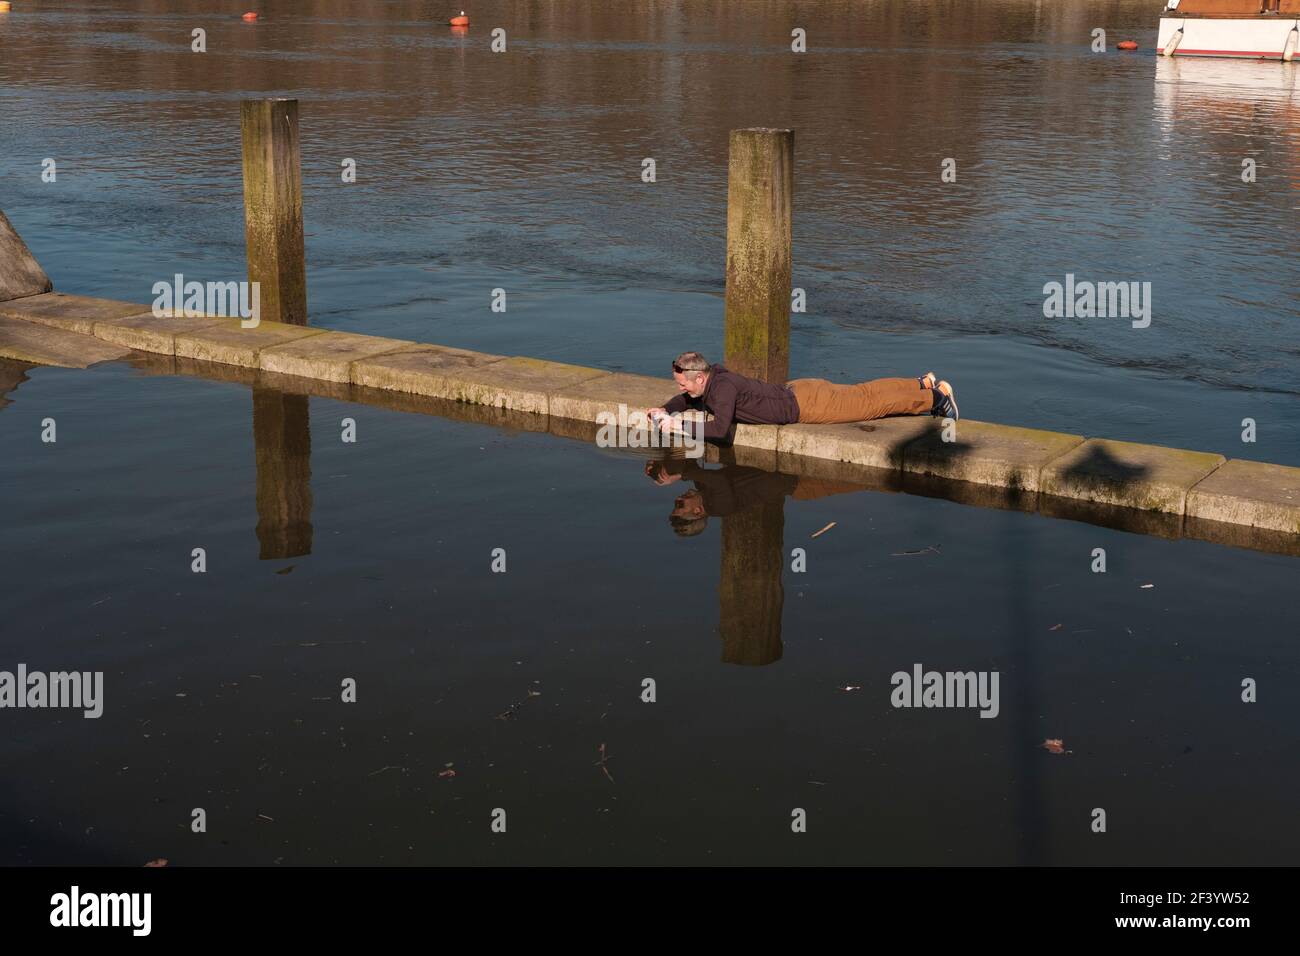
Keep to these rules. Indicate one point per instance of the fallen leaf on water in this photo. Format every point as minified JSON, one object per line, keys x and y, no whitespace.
{"x":447,"y":773}
{"x":161,"y":861}
{"x":286,"y":570}
{"x":1054,"y":745}
{"x":1056,"y":627}
{"x":823,"y":530}
{"x":850,"y":687}
{"x":1145,"y":586}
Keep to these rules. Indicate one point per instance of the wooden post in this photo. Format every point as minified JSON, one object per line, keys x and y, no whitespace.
{"x":760,"y":186}
{"x":273,"y":208}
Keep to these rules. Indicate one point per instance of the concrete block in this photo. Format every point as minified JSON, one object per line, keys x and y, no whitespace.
{"x":1250,"y":493}
{"x":417,"y":369}
{"x":72,"y":313}
{"x":876,"y":444}
{"x":229,"y":343}
{"x":149,"y":333}
{"x":42,"y":345}
{"x":586,"y":400}
{"x":761,"y":437}
{"x":20,"y":273}
{"x":410,"y":403}
{"x":521,"y":384}
{"x":1127,"y":474}
{"x":327,"y":356}
{"x":987,"y":454}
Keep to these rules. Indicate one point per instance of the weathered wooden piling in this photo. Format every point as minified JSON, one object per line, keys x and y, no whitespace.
{"x":760,"y":187}
{"x":273,"y":208}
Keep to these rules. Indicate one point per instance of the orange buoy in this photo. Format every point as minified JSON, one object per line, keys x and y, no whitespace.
{"x":1127,"y":45}
{"x":460,"y":21}
{"x":249,"y":16}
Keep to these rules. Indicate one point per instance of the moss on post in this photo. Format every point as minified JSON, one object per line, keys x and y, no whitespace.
{"x":760,"y":187}
{"x":273,"y":208}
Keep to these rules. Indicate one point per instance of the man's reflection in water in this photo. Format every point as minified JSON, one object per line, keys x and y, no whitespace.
{"x":751,"y":504}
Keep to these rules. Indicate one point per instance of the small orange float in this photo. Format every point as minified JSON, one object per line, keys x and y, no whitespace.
{"x":1127,"y":45}
{"x":249,"y":16}
{"x":460,"y":21}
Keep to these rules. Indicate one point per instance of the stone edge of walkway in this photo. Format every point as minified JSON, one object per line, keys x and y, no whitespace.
{"x":1128,"y":475}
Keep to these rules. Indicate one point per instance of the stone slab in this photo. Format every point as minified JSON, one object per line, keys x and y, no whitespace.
{"x":72,"y":313}
{"x":1250,"y":493}
{"x":20,"y":273}
{"x":876,"y":444}
{"x":987,"y":454}
{"x":518,"y":383}
{"x":587,"y":400}
{"x":1128,"y":474}
{"x":761,"y":437}
{"x":148,"y":332}
{"x":28,"y":342}
{"x":327,"y":356}
{"x":229,"y":343}
{"x":417,"y":369}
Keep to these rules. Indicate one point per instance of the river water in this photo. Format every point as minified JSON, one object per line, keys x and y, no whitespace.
{"x":372,"y":561}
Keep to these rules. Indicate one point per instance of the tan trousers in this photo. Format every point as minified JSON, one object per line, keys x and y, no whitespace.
{"x":824,"y":403}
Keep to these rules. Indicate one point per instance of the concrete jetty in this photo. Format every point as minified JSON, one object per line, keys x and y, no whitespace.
{"x":980,"y":462}
{"x":1036,"y":470}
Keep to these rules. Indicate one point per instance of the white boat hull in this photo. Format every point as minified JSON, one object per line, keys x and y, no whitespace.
{"x":1255,"y":38}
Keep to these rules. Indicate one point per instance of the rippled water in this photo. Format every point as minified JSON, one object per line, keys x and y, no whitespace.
{"x":521,"y":170}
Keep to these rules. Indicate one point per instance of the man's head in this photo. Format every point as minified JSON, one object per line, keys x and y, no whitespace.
{"x":689,"y":517}
{"x":691,"y":373}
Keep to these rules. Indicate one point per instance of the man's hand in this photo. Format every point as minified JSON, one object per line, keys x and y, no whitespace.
{"x":650,"y":413}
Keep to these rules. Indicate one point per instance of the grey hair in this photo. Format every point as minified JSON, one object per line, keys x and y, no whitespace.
{"x":692,"y":362}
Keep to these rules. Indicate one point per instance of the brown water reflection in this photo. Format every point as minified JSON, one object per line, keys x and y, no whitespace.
{"x":282,"y":433}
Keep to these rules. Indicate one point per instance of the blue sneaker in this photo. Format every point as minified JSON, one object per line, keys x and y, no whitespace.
{"x":927,"y":380}
{"x":945,"y":402}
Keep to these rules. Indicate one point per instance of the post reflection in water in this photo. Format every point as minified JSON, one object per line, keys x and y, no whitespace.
{"x":282,"y":434}
{"x":751,"y":504}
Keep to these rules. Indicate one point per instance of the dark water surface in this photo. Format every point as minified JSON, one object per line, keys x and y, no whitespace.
{"x":222,"y":688}
{"x":371,"y":560}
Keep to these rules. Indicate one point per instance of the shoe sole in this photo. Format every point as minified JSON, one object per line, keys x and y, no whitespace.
{"x":951,"y":395}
